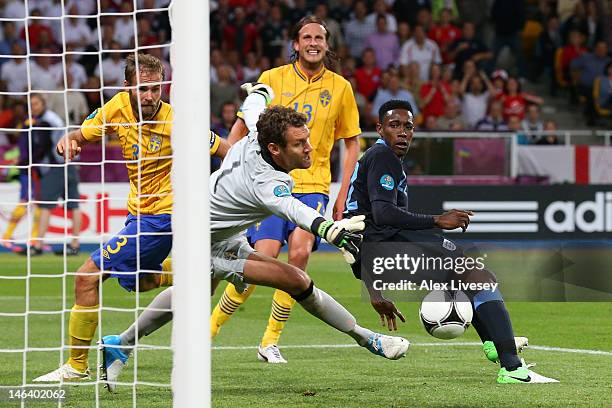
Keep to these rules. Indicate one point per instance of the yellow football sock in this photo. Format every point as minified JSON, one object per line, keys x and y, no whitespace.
{"x":16,"y":216}
{"x":282,"y":303}
{"x":166,"y":278}
{"x":35,"y":222}
{"x":81,"y":329}
{"x":229,"y":302}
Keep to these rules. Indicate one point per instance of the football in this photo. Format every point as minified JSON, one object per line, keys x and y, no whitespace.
{"x":446,"y":315}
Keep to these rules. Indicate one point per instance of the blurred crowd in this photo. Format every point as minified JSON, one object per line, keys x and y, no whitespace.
{"x":444,"y":56}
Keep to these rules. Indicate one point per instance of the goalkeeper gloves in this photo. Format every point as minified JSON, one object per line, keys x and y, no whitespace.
{"x":343,"y":235}
{"x":259,"y":88}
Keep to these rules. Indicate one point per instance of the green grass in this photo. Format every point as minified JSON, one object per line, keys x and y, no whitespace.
{"x":447,"y":375}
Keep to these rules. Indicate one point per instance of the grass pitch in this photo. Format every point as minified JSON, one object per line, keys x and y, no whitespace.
{"x":434,"y":373}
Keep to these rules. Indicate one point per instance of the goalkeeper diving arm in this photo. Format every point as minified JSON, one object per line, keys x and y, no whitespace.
{"x":258,"y":98}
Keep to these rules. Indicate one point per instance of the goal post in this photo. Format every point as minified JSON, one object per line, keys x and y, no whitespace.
{"x":191,"y":377}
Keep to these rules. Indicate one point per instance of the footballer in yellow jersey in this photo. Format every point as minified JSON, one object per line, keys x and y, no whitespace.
{"x":143,"y":124}
{"x":327,"y":100}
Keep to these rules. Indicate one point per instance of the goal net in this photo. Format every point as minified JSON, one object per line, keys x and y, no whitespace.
{"x":60,"y":61}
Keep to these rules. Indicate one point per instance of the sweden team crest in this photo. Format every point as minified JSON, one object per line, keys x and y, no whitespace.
{"x":325,"y":98}
{"x":155,"y":143}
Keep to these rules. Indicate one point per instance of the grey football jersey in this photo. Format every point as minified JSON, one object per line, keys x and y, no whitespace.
{"x":247,"y":189}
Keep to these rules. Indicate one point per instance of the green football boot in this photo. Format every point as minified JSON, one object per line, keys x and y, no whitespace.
{"x":491,"y":352}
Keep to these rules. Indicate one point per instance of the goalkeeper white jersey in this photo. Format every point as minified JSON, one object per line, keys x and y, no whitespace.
{"x":247,"y":189}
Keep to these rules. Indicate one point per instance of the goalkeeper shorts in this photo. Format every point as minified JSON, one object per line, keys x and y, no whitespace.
{"x":228,"y":258}
{"x":142,"y":244}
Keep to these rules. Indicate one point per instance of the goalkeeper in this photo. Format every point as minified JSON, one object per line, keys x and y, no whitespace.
{"x":146,"y":239}
{"x":253,"y":183}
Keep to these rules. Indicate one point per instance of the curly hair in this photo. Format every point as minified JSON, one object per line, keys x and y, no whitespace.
{"x":274,"y":122}
{"x":146,"y":62}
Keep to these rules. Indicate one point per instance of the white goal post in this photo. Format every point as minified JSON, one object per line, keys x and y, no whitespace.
{"x":191,"y":377}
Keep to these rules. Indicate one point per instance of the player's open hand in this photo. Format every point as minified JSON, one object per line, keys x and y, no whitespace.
{"x":259,"y":88}
{"x":453,"y":219}
{"x":388,"y":313}
{"x":68,"y":148}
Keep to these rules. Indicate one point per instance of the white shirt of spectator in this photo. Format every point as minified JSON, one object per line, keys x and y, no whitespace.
{"x":391,"y":22}
{"x":84,"y":7}
{"x":474,"y":107}
{"x":46,"y":79}
{"x":124,"y":31}
{"x":75,"y":101}
{"x":79,"y":76}
{"x":77,"y":33}
{"x":424,"y":56}
{"x":15,"y":9}
{"x":15,"y":75}
{"x":112,"y":74}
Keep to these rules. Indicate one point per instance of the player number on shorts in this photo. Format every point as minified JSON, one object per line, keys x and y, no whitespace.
{"x":306,"y":110}
{"x":120,"y":243}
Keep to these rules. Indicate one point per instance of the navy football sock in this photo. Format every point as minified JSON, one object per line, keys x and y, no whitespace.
{"x":493,"y":316}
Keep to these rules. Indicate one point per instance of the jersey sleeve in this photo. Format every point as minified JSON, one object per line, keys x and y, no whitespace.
{"x":275,"y":195}
{"x":215,"y":141}
{"x":383,"y":176}
{"x":347,"y":124}
{"x":98,"y":123}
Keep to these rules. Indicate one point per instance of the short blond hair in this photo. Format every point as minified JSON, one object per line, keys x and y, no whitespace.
{"x":146,"y":62}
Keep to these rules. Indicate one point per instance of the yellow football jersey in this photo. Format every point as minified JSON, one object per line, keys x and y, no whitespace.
{"x":151,"y":191}
{"x":328,"y":102}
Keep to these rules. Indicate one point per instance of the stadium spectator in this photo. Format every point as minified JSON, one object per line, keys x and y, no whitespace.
{"x":468,"y":47}
{"x":216,"y":60}
{"x":35,"y":30}
{"x":224,"y":90}
{"x":444,"y":33}
{"x":602,"y":92}
{"x":251,"y":70}
{"x":439,"y":6}
{"x":341,"y":10}
{"x":532,"y":124}
{"x":515,"y":100}
{"x":75,"y":69}
{"x":242,"y":35}
{"x":514,"y":125}
{"x":422,"y":50}
{"x":424,"y":19}
{"x":508,"y":20}
{"x":494,"y":121}
{"x":380,"y":8}
{"x":548,"y":43}
{"x":584,"y":71}
{"x":77,"y":33}
{"x":393,"y":91}
{"x":434,"y":94}
{"x":584,"y":19}
{"x":14,"y":73}
{"x":110,"y":71}
{"x":53,"y":180}
{"x":85,"y":7}
{"x":9,"y":38}
{"x":384,"y":43}
{"x":570,"y":52}
{"x":452,"y":118}
{"x":476,"y":11}
{"x":146,"y":36}
{"x":431,"y":124}
{"x":499,"y":77}
{"x":367,"y":76}
{"x":411,"y":80}
{"x":44,"y":74}
{"x":408,"y":10}
{"x":274,"y":35}
{"x":15,"y":9}
{"x":357,"y":30}
{"x":300,"y":9}
{"x":74,"y":101}
{"x":223,"y":128}
{"x":549,"y":138}
{"x":476,"y":90}
{"x":124,"y":27}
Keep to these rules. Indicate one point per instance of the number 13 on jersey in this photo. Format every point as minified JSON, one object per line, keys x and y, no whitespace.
{"x":306,"y":110}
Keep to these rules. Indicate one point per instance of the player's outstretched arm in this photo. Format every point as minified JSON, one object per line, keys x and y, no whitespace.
{"x":258,"y":98}
{"x":69,"y":146}
{"x":453,"y":219}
